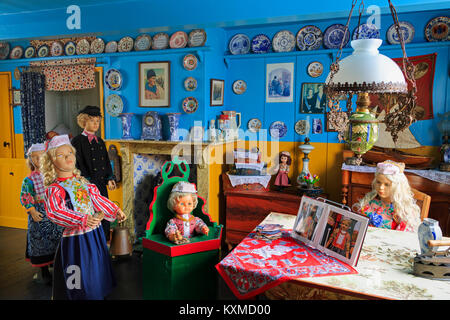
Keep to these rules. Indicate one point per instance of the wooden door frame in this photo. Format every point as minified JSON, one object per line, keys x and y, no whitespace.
{"x":100,"y":93}
{"x":11,"y":113}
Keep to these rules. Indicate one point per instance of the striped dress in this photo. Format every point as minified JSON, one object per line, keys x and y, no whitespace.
{"x":82,"y":263}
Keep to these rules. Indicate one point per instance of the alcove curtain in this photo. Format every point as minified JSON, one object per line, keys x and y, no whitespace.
{"x":32,"y":94}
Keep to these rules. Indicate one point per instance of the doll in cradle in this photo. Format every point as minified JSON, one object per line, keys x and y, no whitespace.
{"x":182,"y":201}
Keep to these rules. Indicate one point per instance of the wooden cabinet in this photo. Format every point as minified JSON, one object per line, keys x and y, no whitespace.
{"x":247,"y":207}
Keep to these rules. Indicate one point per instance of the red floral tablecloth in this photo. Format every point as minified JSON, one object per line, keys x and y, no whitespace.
{"x":256,"y":265}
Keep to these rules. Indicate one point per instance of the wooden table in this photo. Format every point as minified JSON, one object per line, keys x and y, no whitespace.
{"x":384,"y":271}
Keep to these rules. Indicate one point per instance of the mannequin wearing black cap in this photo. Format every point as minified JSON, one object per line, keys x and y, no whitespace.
{"x":153,"y":89}
{"x":92,"y":155}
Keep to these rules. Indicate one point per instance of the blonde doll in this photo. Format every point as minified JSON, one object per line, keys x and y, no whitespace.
{"x":182,"y":201}
{"x":82,"y":268}
{"x":391,"y":202}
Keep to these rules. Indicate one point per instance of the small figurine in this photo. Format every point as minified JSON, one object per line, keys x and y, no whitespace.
{"x":282,"y":180}
{"x":182,"y":201}
{"x":391,"y":202}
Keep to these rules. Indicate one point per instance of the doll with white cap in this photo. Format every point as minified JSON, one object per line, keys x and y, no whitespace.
{"x":42,"y":234}
{"x":391,"y":202}
{"x":282,"y":180}
{"x":77,"y":205}
{"x":182,"y":201}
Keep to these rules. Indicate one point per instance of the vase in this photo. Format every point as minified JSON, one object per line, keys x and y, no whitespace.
{"x":174,"y":122}
{"x":126,"y":125}
{"x":428,"y":230}
{"x":309,"y":186}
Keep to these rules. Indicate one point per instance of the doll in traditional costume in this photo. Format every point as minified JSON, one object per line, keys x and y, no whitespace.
{"x":43,"y":235}
{"x":340,"y":239}
{"x":182,"y":201}
{"x":82,"y":267}
{"x":282,"y":180}
{"x":391,"y":202}
{"x":92,"y":155}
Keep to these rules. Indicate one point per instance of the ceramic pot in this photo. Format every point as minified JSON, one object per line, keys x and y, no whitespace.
{"x":428,"y":230}
{"x":174,"y":122}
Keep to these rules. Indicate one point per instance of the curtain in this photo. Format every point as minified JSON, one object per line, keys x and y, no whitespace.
{"x":32,"y":94}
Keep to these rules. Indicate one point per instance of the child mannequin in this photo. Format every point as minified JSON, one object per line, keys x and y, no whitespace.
{"x":182,"y":201}
{"x":82,"y":264}
{"x":391,"y":204}
{"x":92,"y":156}
{"x":282,"y":179}
{"x":42,"y":235}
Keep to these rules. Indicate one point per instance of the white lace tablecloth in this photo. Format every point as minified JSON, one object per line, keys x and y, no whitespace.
{"x":237,"y":180}
{"x":434,"y":175}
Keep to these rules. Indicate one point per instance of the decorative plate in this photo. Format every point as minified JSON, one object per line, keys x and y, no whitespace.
{"x":261,"y":43}
{"x":125,"y":44}
{"x":315,"y":69}
{"x":283,"y":41}
{"x":16,"y":52}
{"x":190,"y":62}
{"x":160,"y":41}
{"x":278,"y":129}
{"x":57,"y":49}
{"x":406,"y":29}
{"x":143,"y":42}
{"x":4,"y":50}
{"x":29,"y":52}
{"x":239,"y":44}
{"x":190,"y":84}
{"x":437,"y":29}
{"x":254,"y":125}
{"x":333,"y":36}
{"x":190,"y":105}
{"x":113,"y":79}
{"x":239,"y":86}
{"x":43,"y":51}
{"x":111,"y":47}
{"x":197,"y":38}
{"x":366,"y":31}
{"x":83,"y":47}
{"x":114,"y":105}
{"x":70,"y":48}
{"x":309,"y":38}
{"x":302,"y":127}
{"x":178,"y":40}
{"x":97,"y":46}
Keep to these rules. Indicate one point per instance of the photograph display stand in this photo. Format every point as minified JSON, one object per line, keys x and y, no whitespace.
{"x":331,"y":228}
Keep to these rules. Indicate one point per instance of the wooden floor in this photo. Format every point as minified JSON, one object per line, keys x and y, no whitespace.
{"x":16,"y":274}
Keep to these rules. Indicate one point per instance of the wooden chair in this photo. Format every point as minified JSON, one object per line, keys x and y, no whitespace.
{"x":423,"y":201}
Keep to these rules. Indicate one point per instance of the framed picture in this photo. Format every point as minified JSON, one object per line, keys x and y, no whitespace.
{"x":16,"y":97}
{"x":280,"y":82}
{"x":336,"y":231}
{"x":330,"y":127}
{"x":154,"y":84}
{"x":217,"y":88}
{"x":313,"y":99}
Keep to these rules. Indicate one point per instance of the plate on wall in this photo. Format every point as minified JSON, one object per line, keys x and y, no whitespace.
{"x":315,"y":69}
{"x":56,"y":49}
{"x":125,"y":44}
{"x":283,"y":41}
{"x":4,"y":50}
{"x":407,"y":30}
{"x":197,"y":38}
{"x":366,"y":31}
{"x":239,"y":44}
{"x":302,"y":127}
{"x":190,"y":84}
{"x":160,"y":41}
{"x":97,"y":46}
{"x":278,"y":129}
{"x":190,"y":62}
{"x":143,"y":42}
{"x":113,"y":79}
{"x":16,"y":52}
{"x":111,"y":47}
{"x":239,"y":86}
{"x":43,"y":51}
{"x":254,"y":125}
{"x":333,"y":36}
{"x":70,"y":48}
{"x":83,"y":47}
{"x":30,"y":52}
{"x":178,"y":40}
{"x":114,"y":105}
{"x":261,"y":43}
{"x":190,"y":105}
{"x":437,"y":29}
{"x":309,"y":38}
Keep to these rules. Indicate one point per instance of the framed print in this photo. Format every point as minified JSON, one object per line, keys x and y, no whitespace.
{"x":217,"y":88}
{"x":313,"y":99}
{"x":329,"y":127}
{"x":154,"y":84}
{"x":16,"y":97}
{"x":334,"y":230}
{"x":280,"y":82}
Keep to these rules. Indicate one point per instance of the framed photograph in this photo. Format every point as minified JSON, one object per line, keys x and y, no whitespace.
{"x":16,"y":97}
{"x":336,"y":231}
{"x":330,"y":127}
{"x":154,"y":84}
{"x":217,"y":88}
{"x":280,"y":82}
{"x":313,"y":99}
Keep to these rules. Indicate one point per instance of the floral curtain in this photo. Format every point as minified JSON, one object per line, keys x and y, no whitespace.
{"x":32,"y":94}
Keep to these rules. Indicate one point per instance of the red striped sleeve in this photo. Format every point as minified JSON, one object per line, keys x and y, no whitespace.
{"x":102,"y":203}
{"x":58,"y":212}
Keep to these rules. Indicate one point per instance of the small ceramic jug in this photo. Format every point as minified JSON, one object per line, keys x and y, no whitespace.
{"x":428,"y":230}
